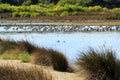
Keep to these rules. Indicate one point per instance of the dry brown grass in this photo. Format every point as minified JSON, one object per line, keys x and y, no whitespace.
{"x":27,"y":46}
{"x":101,"y":64}
{"x":59,"y":61}
{"x":8,"y":72}
{"x":40,"y":56}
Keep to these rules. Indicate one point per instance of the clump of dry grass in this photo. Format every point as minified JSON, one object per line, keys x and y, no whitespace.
{"x":59,"y":61}
{"x":41,"y":57}
{"x":17,"y":73}
{"x":50,"y":57}
{"x":27,"y":46}
{"x":102,"y":65}
{"x":6,"y":45}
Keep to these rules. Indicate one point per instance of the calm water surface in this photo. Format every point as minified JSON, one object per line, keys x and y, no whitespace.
{"x":70,"y":43}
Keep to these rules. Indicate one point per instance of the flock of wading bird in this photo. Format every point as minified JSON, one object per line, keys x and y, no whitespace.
{"x":58,"y":28}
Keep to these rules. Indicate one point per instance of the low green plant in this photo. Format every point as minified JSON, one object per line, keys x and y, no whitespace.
{"x":95,"y":9}
{"x":65,"y":13}
{"x":24,"y":57}
{"x":14,"y":55}
{"x":34,"y":14}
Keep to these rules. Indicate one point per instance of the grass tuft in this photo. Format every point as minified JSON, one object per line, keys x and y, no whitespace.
{"x":27,"y":46}
{"x":59,"y":61}
{"x":24,"y":50}
{"x":102,"y":64}
{"x":6,"y":45}
{"x":41,"y":57}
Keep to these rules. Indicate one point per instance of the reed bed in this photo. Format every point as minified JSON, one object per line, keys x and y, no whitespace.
{"x":101,"y":64}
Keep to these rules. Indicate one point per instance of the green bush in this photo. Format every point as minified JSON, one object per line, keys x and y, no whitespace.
{"x":34,"y":14}
{"x":115,"y":10}
{"x":49,"y":13}
{"x":95,"y":9}
{"x":24,"y":57}
{"x":5,"y":8}
{"x":24,"y":14}
{"x":65,"y":13}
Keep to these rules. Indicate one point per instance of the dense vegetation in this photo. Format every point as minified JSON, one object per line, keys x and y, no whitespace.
{"x":103,"y":3}
{"x":108,"y":9}
{"x":55,"y":10}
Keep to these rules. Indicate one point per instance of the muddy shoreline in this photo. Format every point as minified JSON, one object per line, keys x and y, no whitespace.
{"x":68,"y":20}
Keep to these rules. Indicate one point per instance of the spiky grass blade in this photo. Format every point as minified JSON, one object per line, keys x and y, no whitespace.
{"x":99,"y":62}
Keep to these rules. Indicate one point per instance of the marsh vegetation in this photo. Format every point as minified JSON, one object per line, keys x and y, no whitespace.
{"x":101,"y":64}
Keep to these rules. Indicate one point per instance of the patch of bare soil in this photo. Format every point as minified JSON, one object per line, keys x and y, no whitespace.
{"x":55,"y":74}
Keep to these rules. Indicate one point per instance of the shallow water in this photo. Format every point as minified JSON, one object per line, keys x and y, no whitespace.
{"x":70,"y":43}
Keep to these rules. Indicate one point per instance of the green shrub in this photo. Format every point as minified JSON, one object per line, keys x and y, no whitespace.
{"x":15,"y":14}
{"x":26,"y":3}
{"x":65,"y":13}
{"x":115,"y":10}
{"x":24,"y":57}
{"x":34,"y":14}
{"x":5,"y":8}
{"x":24,"y":14}
{"x":49,"y":13}
{"x":74,"y":13}
{"x":95,"y":9}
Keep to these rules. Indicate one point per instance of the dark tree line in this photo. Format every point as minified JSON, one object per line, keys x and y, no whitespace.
{"x":103,"y":3}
